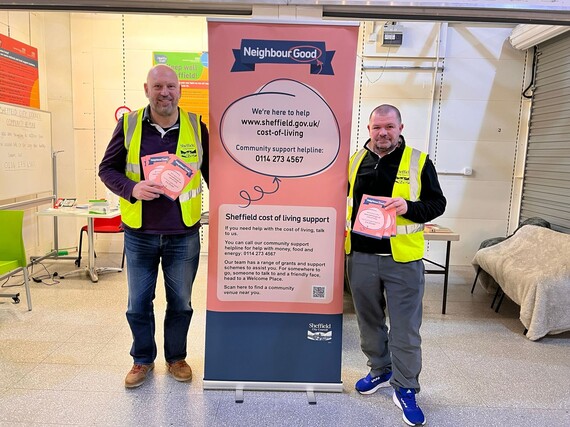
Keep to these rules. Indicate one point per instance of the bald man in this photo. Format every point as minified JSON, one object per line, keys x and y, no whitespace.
{"x":159,"y":230}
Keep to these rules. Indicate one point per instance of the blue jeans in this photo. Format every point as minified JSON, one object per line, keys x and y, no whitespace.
{"x":179,"y":254}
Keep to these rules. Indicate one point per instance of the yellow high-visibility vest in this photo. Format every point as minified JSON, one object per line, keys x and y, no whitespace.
{"x":188,"y":149}
{"x":408,"y":244}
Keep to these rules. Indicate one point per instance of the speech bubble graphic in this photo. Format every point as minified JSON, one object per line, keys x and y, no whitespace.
{"x":285,"y":129}
{"x":371,"y":218}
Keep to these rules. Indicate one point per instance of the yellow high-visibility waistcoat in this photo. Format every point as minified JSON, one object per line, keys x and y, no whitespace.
{"x":189,"y":149}
{"x":408,"y":244}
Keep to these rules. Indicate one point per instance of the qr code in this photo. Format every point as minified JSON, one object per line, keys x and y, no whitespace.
{"x":319,"y":292}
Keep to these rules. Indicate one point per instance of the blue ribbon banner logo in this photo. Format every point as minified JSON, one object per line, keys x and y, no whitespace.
{"x":254,"y":52}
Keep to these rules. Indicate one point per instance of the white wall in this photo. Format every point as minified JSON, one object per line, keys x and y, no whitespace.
{"x":469,"y":114}
{"x":466,"y":115}
{"x":481,"y":111}
{"x":54,"y":76}
{"x":111,"y":55}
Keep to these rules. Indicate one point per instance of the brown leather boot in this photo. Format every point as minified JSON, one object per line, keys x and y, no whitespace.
{"x":137,"y":375}
{"x":180,"y":370}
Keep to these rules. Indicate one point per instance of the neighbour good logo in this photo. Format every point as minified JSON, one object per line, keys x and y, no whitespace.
{"x":311,"y":52}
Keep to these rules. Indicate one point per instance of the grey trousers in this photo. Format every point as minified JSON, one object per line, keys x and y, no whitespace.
{"x":377,"y":282}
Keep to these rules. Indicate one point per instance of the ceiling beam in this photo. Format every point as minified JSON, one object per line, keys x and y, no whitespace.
{"x":520,"y":12}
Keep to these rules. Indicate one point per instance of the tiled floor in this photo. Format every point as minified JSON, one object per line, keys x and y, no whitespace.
{"x":64,"y":364}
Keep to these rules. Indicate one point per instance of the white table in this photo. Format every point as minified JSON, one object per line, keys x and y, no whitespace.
{"x":443,"y":269}
{"x":91,"y":269}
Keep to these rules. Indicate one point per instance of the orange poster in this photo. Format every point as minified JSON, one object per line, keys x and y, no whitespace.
{"x":281,"y":97}
{"x":19,"y":81}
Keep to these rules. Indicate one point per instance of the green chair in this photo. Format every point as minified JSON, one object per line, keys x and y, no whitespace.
{"x":12,"y":253}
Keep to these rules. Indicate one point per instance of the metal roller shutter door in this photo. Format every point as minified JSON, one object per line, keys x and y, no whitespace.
{"x":546,"y":185}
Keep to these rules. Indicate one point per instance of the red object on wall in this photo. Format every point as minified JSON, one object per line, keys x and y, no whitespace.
{"x":19,"y":77}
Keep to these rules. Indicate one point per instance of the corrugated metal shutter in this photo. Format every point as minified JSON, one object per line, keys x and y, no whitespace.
{"x":546,"y":185}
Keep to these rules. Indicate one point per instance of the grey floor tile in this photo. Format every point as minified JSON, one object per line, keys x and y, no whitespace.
{"x":64,"y":364}
{"x":144,"y":409}
{"x":46,"y":376}
{"x":12,"y":372}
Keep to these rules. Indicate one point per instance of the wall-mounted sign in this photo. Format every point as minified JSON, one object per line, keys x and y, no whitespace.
{"x":192,"y":71}
{"x":120,"y":111}
{"x":19,"y":81}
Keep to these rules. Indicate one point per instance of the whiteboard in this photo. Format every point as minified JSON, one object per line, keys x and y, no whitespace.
{"x":25,"y":151}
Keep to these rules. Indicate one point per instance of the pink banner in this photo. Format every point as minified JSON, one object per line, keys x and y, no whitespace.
{"x":281,"y":99}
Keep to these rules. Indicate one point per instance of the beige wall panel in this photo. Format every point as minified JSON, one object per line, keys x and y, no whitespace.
{"x":106,"y":103}
{"x":136,"y":98}
{"x":68,"y":235}
{"x":468,"y":198}
{"x":472,"y":233}
{"x":466,"y":120}
{"x":86,"y":184}
{"x":19,"y":23}
{"x":165,"y":33}
{"x":483,"y":229}
{"x":415,"y":117}
{"x":483,"y":79}
{"x":480,"y":41}
{"x":419,"y":143}
{"x":84,"y":143}
{"x":490,"y":160}
{"x":405,"y":84}
{"x":82,"y":37}
{"x":137,"y":64}
{"x":63,"y":139}
{"x":83,"y":114}
{"x":107,"y":30}
{"x":102,"y":137}
{"x":108,"y":69}
{"x":58,"y":58}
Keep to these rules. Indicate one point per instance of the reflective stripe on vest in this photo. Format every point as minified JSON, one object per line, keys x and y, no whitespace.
{"x":188,"y":149}
{"x":188,"y":195}
{"x":408,"y":244}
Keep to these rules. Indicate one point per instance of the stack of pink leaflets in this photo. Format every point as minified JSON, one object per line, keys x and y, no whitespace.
{"x":169,"y":170}
{"x":373,"y":219}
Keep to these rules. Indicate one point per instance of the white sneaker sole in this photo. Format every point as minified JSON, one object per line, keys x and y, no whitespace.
{"x":399,"y":405}
{"x":375,"y":389}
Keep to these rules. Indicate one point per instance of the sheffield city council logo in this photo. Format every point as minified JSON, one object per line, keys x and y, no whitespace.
{"x":319,"y":332}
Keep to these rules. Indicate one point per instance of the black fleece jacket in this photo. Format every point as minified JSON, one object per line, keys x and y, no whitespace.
{"x":376,"y":176}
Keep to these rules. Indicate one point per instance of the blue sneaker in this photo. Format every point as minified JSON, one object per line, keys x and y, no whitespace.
{"x":405,"y":399}
{"x":369,"y":384}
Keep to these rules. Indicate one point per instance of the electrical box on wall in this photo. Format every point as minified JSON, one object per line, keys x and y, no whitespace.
{"x":392,"y":34}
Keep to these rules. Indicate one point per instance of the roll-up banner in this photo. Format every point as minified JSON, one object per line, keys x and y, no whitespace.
{"x":281,"y":99}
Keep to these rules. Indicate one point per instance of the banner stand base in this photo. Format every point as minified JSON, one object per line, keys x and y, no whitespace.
{"x":241,"y":386}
